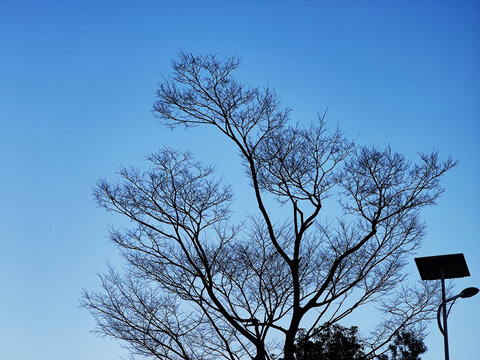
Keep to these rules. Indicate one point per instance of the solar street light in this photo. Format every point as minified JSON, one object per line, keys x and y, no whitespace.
{"x":440,"y":268}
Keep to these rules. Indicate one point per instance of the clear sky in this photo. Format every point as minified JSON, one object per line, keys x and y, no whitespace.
{"x":77,"y":81}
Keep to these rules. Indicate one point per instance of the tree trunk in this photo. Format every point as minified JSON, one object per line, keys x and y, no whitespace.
{"x":261,"y":354}
{"x":289,"y":347}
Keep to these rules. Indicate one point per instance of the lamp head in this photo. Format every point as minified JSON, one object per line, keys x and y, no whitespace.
{"x":469,"y":292}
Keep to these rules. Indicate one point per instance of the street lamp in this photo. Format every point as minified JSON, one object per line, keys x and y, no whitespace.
{"x":440,"y":268}
{"x":465,"y":293}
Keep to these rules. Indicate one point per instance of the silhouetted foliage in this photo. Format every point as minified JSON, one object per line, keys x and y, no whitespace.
{"x":199,"y":284}
{"x":336,"y":342}
{"x":405,"y":346}
{"x":333,"y":342}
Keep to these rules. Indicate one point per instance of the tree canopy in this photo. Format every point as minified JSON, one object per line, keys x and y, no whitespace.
{"x":335,"y":342}
{"x":201,"y":284}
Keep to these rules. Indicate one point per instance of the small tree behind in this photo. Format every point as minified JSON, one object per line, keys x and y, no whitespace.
{"x":199,"y":285}
{"x":405,"y":346}
{"x":336,"y":342}
{"x":333,"y":342}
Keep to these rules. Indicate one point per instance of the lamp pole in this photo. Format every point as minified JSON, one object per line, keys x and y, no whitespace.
{"x":465,"y":293}
{"x":444,"y":305}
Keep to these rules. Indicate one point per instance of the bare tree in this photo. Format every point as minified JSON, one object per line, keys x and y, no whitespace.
{"x":200,"y":286}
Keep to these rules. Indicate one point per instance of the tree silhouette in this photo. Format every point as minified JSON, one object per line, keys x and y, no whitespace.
{"x":200,"y":284}
{"x":336,"y":342}
{"x":333,"y":342}
{"x":405,"y":346}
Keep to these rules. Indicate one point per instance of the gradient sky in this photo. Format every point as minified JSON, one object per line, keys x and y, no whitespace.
{"x":77,"y":82}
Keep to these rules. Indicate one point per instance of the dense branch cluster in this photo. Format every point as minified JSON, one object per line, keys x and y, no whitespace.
{"x":200,"y":286}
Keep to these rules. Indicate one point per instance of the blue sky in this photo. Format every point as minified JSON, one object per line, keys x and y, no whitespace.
{"x":77,"y":82}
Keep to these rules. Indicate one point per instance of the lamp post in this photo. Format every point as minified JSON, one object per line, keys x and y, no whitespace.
{"x":440,"y":268}
{"x":465,"y":293}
